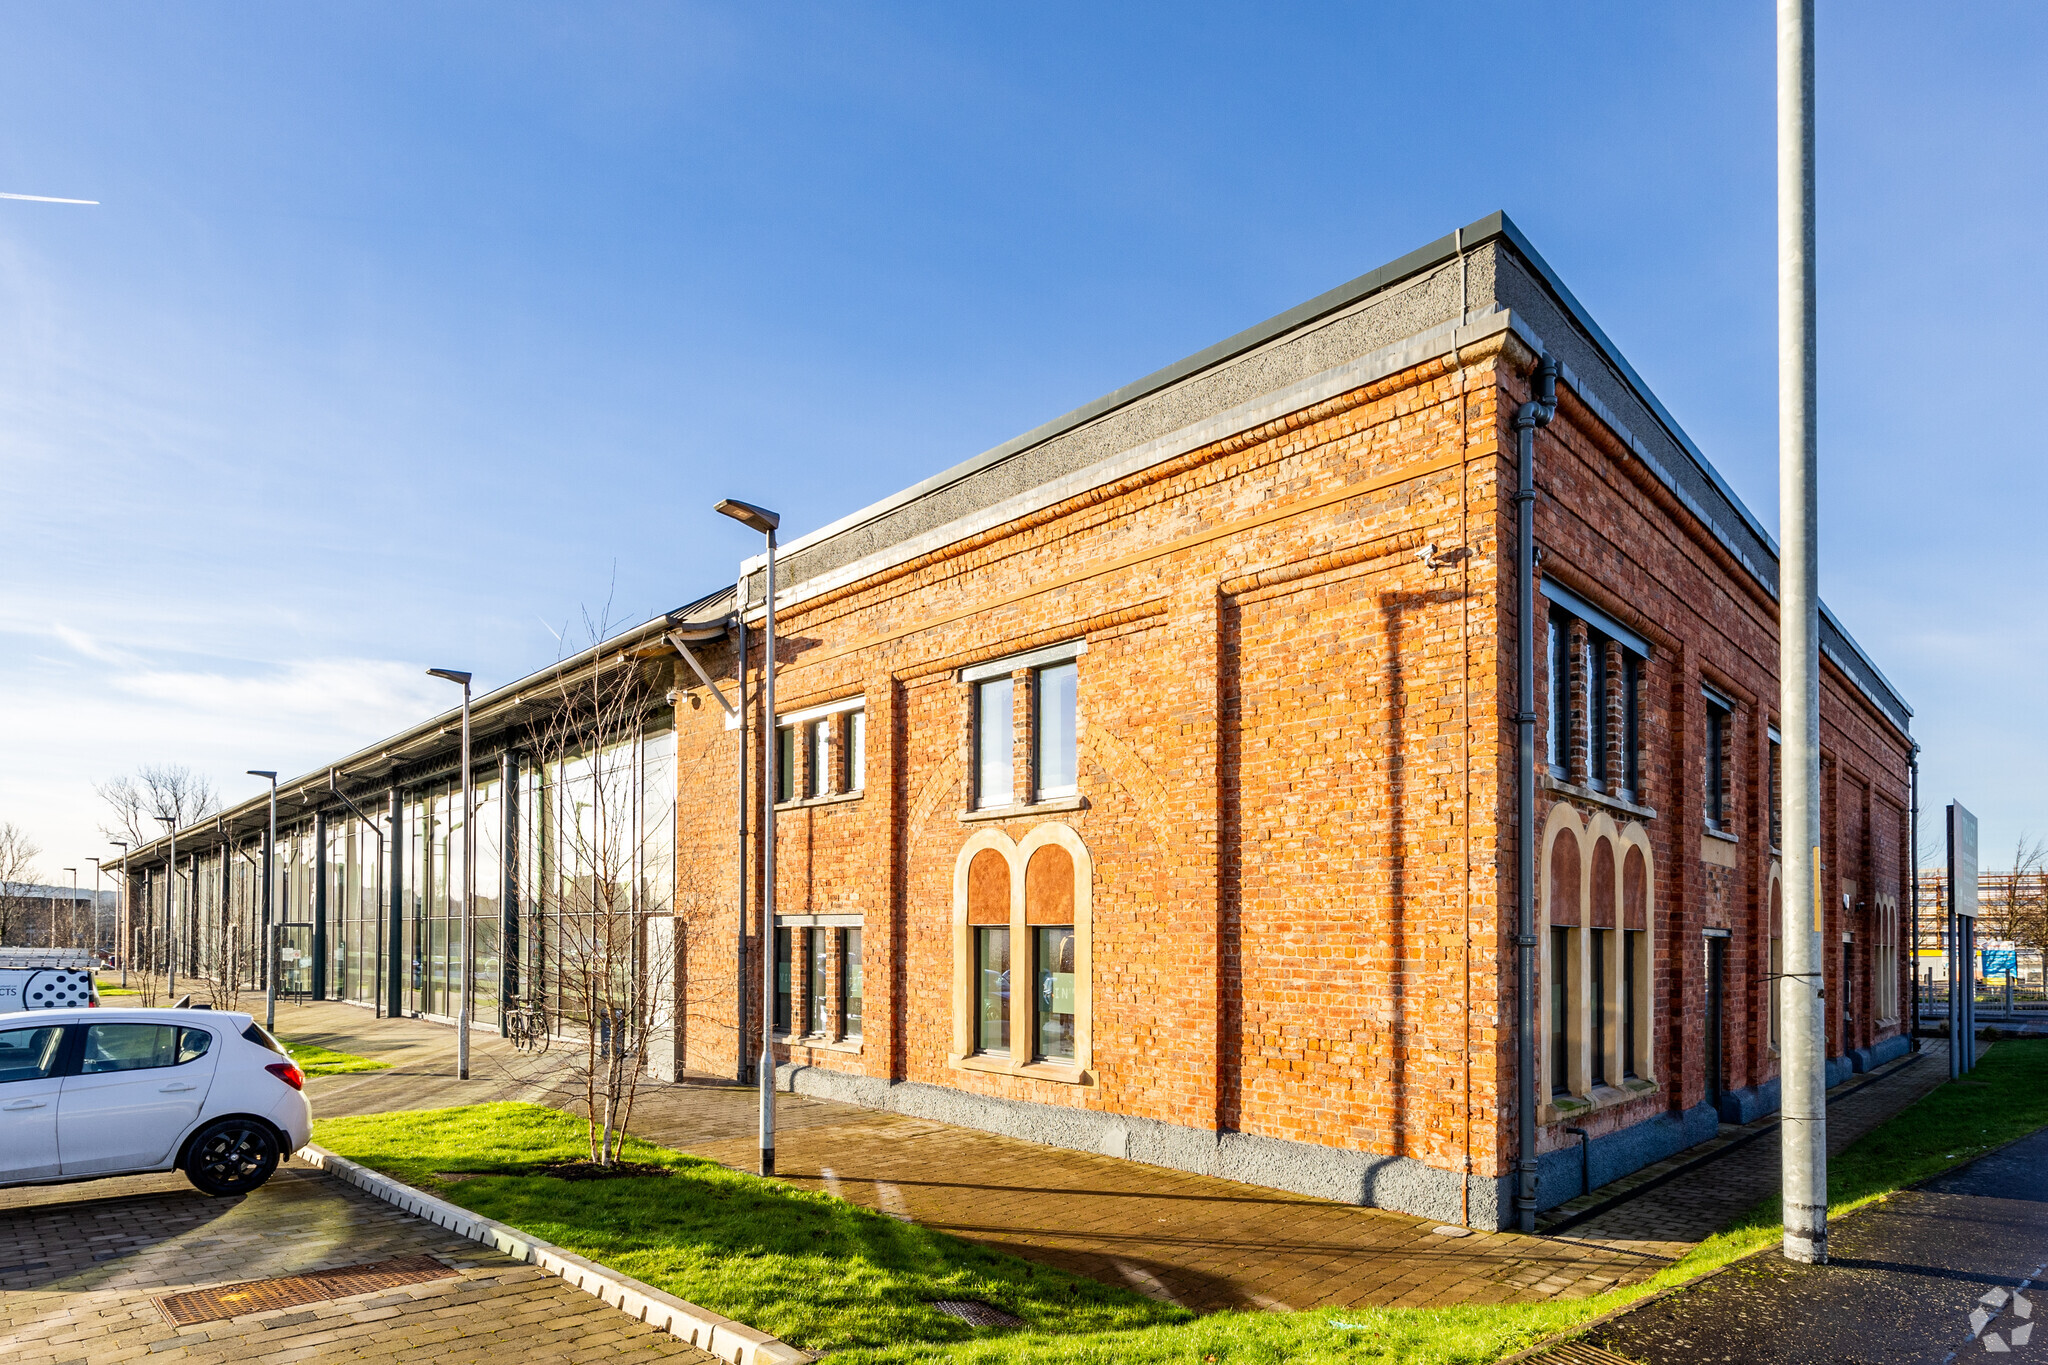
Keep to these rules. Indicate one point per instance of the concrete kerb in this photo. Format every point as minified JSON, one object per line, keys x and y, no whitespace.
{"x":700,"y":1327}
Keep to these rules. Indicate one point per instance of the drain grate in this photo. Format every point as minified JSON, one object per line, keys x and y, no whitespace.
{"x":975,"y":1313}
{"x":290,"y":1291}
{"x":1579,"y":1353}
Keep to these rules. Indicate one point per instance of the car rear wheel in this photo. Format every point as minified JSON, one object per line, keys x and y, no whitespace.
{"x":232,"y":1156}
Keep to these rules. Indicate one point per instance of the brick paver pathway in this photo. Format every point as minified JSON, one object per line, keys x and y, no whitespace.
{"x":1669,"y":1220}
{"x":1194,"y":1240}
{"x":80,"y":1263}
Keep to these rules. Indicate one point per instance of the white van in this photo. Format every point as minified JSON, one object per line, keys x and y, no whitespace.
{"x":46,"y":979}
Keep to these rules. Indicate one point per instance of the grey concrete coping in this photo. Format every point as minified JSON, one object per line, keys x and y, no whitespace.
{"x":702,"y":1328}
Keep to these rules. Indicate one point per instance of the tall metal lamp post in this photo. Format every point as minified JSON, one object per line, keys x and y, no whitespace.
{"x":762,"y":520}
{"x":95,"y":906}
{"x":1803,"y":1133}
{"x":468,"y":878}
{"x":170,"y":824}
{"x":120,"y":912}
{"x":269,"y":919}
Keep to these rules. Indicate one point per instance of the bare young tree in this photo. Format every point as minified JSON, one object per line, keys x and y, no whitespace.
{"x":18,"y":877}
{"x":598,"y":843}
{"x":2013,"y":905}
{"x":172,"y":789}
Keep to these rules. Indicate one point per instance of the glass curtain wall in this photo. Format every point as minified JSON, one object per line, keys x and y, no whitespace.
{"x":597,"y":838}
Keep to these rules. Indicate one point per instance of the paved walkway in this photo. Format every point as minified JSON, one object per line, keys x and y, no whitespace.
{"x":79,"y":1265}
{"x":1194,"y":1240}
{"x":1688,"y":1208}
{"x":1952,"y":1267}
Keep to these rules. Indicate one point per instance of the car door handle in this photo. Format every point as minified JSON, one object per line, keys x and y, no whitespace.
{"x":175,"y":1086}
{"x":25,"y":1104}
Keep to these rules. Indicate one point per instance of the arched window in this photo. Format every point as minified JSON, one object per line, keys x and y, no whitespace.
{"x":1022,"y":995}
{"x":1598,"y":918}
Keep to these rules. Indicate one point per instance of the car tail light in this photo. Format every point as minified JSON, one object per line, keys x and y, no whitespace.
{"x":93,"y":1003}
{"x":289,"y":1073}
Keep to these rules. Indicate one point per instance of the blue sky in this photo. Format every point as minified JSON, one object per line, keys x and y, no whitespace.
{"x":405,"y":334}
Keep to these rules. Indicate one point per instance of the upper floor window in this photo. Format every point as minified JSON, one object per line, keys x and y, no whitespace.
{"x":1777,"y":793}
{"x":1715,"y":763}
{"x":1053,"y":730}
{"x":1594,"y":697}
{"x":994,"y":743}
{"x":1039,"y":690}
{"x":821,"y":751}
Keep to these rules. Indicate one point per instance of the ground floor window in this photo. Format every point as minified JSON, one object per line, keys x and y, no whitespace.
{"x":849,"y":982}
{"x":1560,"y":1011}
{"x":992,"y":991}
{"x":1053,"y":953}
{"x":782,"y":980}
{"x":1631,"y":973}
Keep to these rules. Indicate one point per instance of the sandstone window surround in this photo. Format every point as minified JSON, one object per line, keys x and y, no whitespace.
{"x":1597,"y":898}
{"x":1022,"y":955}
{"x":1884,"y":953}
{"x":1023,"y":733}
{"x":1594,"y":694}
{"x":821,"y":753}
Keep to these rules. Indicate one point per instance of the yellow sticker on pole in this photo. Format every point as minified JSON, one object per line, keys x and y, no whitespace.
{"x":1816,"y":889}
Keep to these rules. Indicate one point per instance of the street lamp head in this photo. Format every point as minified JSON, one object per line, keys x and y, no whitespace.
{"x":451,"y":674}
{"x":746,"y":514}
{"x":261,"y":772}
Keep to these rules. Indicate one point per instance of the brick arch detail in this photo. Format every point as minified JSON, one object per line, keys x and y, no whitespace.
{"x":1570,"y":847}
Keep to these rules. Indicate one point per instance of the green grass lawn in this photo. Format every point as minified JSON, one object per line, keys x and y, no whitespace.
{"x":105,"y":991}
{"x":816,"y":1271}
{"x":828,"y":1275}
{"x":315,"y":1060}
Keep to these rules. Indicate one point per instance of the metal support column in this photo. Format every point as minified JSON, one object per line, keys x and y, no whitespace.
{"x":319,"y":905}
{"x":394,"y":933}
{"x":508,"y":886}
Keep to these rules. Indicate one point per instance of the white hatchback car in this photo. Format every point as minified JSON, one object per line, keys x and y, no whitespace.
{"x":87,"y":1092}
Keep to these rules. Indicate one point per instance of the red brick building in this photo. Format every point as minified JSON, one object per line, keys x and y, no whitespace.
{"x":1191,"y":713}
{"x":1148,"y":784}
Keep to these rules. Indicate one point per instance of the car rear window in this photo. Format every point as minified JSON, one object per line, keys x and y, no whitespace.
{"x":260,"y":1036}
{"x":27,"y":1054}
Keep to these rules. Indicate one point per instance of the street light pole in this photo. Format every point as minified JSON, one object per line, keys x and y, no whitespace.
{"x":95,"y":906}
{"x":269,"y":919}
{"x":1803,"y":1137}
{"x":121,"y":911}
{"x":74,"y":905}
{"x":766,"y":522}
{"x":468,"y":879}
{"x":170,"y":823}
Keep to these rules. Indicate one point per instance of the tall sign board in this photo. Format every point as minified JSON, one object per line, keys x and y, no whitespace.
{"x":1962,"y":933}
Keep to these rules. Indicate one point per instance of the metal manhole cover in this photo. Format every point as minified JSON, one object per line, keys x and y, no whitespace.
{"x":975,"y":1313}
{"x":290,"y":1291}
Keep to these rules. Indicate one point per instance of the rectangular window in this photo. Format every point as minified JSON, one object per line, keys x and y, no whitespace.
{"x":1597,"y":988}
{"x":782,"y":980}
{"x":1052,"y":953}
{"x":1632,"y":722}
{"x":785,"y":763}
{"x":1716,"y":765}
{"x":1560,"y":1005}
{"x":849,"y":982}
{"x":1630,"y":939}
{"x":1596,"y":709}
{"x":856,"y":751}
{"x":994,"y":741}
{"x":816,"y":749}
{"x":1560,"y":717}
{"x":992,"y":990}
{"x":1777,"y":799}
{"x":817,"y":943}
{"x":1777,"y":970}
{"x":1053,"y":731}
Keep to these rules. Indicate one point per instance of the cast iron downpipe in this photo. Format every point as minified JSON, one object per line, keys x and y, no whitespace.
{"x":1531,"y":415}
